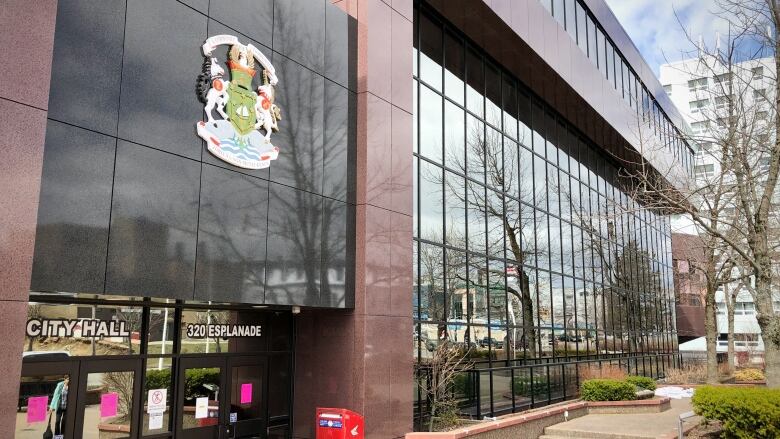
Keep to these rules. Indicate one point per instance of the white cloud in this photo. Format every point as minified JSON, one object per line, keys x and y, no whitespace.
{"x":658,"y":34}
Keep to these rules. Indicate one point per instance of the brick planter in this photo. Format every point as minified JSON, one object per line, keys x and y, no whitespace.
{"x":531,"y":424}
{"x":626,"y":407}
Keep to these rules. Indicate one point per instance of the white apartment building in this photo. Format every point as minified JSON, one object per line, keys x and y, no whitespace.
{"x":700,"y":89}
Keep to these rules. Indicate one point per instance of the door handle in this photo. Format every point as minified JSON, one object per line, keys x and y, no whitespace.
{"x":226,"y":432}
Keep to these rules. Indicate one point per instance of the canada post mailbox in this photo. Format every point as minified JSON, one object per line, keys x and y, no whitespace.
{"x":335,"y":423}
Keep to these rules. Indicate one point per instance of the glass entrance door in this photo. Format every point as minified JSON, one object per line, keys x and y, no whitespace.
{"x":222,"y":397}
{"x":108,"y":394}
{"x":248,"y":404}
{"x":45,"y":396}
{"x":199,"y":393}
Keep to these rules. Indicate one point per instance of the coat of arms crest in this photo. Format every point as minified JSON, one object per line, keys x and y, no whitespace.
{"x":236,"y":138}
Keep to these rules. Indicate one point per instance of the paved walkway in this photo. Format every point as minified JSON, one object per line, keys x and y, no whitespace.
{"x":629,"y":426}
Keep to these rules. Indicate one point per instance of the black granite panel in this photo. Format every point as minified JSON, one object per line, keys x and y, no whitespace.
{"x":253,"y":18}
{"x":162,"y":61}
{"x":73,"y":214}
{"x":87,"y":63}
{"x":339,"y":141}
{"x":299,"y":31}
{"x":221,"y":53}
{"x":121,"y":216}
{"x":153,"y":224}
{"x":335,"y":245}
{"x":340,"y":47}
{"x":231,"y":237}
{"x":294,"y":245}
{"x":200,"y":5}
{"x":300,"y":94}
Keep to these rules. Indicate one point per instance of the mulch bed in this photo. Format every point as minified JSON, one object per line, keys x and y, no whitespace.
{"x":711,"y":430}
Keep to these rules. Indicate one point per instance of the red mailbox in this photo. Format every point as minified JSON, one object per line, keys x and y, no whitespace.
{"x":335,"y":423}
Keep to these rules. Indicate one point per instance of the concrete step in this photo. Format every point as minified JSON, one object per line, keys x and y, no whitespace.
{"x":547,"y":436}
{"x":557,"y":431}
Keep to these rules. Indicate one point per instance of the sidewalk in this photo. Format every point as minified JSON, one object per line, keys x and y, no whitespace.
{"x":629,"y":426}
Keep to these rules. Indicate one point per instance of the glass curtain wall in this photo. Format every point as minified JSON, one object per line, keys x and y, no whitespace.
{"x":526,"y":252}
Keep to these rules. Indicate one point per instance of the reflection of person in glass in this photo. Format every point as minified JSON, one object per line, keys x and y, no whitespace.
{"x":59,"y":404}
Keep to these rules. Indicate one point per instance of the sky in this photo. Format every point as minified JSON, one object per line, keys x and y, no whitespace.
{"x":656,"y":31}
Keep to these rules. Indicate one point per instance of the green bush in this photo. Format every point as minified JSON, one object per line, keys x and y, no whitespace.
{"x":196,"y":378}
{"x":607,"y":390}
{"x":643,"y":382}
{"x":158,"y":379}
{"x":522,"y":386}
{"x":463,"y":385}
{"x":746,"y":413}
{"x":749,"y":375}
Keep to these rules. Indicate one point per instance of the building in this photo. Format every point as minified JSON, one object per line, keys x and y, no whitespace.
{"x":690,"y":285}
{"x":700,"y":88}
{"x":179,"y":261}
{"x":525,"y":246}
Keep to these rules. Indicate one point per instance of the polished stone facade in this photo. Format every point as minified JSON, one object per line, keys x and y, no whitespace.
{"x":133,"y":204}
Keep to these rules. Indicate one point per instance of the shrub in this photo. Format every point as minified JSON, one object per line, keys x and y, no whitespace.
{"x":610,"y":371}
{"x":607,"y":390}
{"x":158,"y":379}
{"x":689,"y":374}
{"x":522,"y":386}
{"x":643,"y":382}
{"x":746,"y":413}
{"x":197,"y":378}
{"x":463,"y":385}
{"x":749,"y":375}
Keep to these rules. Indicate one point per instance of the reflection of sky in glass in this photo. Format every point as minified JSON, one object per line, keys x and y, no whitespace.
{"x":517,"y":167}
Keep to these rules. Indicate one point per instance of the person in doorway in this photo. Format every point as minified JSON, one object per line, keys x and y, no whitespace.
{"x":59,"y":405}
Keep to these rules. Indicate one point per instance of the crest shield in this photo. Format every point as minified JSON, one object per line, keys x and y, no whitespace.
{"x":241,"y":108}
{"x":240,"y":114}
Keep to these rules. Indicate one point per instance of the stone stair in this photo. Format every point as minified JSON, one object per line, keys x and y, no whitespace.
{"x":560,"y":432}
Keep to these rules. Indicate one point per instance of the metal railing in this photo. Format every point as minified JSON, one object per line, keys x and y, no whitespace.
{"x":495,"y":391}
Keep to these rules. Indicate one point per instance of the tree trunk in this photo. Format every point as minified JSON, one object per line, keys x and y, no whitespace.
{"x":730,"y":298}
{"x":770,"y":334}
{"x":528,"y":314}
{"x":711,"y":334}
{"x":731,"y":354}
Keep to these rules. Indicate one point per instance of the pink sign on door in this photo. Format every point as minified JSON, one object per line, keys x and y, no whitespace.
{"x":108,"y":404}
{"x":36,"y":408}
{"x":246,"y":393}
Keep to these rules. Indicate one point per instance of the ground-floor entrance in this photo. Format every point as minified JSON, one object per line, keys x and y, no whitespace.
{"x":165,"y":372}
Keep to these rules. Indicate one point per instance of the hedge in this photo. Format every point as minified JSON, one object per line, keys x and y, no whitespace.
{"x":522,"y":386}
{"x":158,"y":379}
{"x":607,"y":390}
{"x":749,"y":375}
{"x":643,"y":382}
{"x":746,"y":413}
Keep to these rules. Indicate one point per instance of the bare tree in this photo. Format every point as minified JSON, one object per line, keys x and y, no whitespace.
{"x":496,"y":221}
{"x":733,"y":209}
{"x":446,"y":364}
{"x":33,"y":312}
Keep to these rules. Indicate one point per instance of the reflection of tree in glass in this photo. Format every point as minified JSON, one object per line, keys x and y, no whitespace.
{"x":33,"y":312}
{"x":213,"y":318}
{"x":122,"y":384}
{"x":501,"y":217}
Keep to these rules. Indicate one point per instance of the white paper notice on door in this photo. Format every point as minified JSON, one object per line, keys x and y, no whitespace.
{"x":155,"y":420}
{"x":201,"y":407}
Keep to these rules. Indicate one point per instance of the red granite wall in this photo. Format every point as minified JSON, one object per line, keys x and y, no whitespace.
{"x":362,"y":360}
{"x":26,"y":43}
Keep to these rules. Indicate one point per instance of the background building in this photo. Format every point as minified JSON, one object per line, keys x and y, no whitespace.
{"x":690,"y":285}
{"x":704,"y":89}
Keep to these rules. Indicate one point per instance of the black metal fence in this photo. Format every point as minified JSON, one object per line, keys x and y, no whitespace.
{"x":493,"y":391}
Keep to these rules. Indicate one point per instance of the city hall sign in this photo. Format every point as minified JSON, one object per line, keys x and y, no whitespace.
{"x":248,"y":117}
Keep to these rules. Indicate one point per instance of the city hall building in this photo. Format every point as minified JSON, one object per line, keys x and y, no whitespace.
{"x":218,"y":216}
